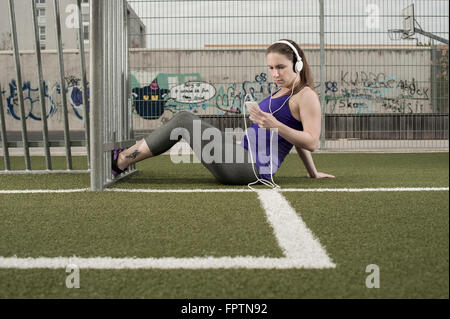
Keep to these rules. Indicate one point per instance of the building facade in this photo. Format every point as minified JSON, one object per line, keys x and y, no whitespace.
{"x":47,"y":25}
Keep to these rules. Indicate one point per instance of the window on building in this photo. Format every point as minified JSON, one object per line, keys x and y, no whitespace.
{"x":42,"y":46}
{"x":40,"y":1}
{"x":85,"y":1}
{"x":40,"y":12}
{"x":86,"y":32}
{"x":41,"y":33}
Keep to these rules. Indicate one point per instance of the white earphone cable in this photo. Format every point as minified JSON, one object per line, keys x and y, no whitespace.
{"x":270,"y":184}
{"x":258,"y":179}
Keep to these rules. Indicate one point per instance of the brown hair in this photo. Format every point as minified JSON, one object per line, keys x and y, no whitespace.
{"x":306,"y":78}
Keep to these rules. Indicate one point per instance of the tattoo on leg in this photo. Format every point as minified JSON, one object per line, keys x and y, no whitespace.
{"x":133,"y":155}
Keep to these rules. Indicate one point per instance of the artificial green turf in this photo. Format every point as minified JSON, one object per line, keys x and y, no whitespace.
{"x":90,"y":224}
{"x":352,"y":170}
{"x":405,"y":233}
{"x":39,"y":163}
{"x":45,"y":181}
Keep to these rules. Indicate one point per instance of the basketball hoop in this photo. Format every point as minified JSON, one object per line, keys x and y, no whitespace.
{"x":408,"y":23}
{"x":397,"y":34}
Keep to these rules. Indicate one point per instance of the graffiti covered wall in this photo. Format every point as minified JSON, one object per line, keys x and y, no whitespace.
{"x":216,"y":82}
{"x":52,"y":91}
{"x":378,"y":81}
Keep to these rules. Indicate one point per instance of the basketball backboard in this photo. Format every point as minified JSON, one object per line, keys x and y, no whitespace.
{"x":408,"y":20}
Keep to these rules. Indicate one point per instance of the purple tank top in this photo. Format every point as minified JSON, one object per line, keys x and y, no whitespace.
{"x":260,"y":138}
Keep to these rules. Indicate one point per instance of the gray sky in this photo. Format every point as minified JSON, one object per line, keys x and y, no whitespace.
{"x":194,"y":24}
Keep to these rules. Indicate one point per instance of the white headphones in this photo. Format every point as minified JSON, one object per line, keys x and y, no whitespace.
{"x":299,"y":64}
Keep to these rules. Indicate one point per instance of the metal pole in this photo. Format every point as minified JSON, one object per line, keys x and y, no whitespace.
{"x":19,"y":85}
{"x":431,"y":35}
{"x":108,"y":99}
{"x":322,"y":73}
{"x":112,"y":42}
{"x":127,"y":124}
{"x":434,"y":104}
{"x":119,"y":71}
{"x":84,"y":82}
{"x":63,"y":86}
{"x":96,"y":101}
{"x":41,"y":87}
{"x":3,"y":133}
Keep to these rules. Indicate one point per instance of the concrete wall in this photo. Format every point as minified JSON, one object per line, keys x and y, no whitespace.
{"x":358,"y":81}
{"x":52,"y":91}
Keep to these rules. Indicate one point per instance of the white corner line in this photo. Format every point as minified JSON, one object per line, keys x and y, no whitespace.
{"x":159,"y":263}
{"x":194,"y":190}
{"x":294,"y":238}
{"x":43,"y":191}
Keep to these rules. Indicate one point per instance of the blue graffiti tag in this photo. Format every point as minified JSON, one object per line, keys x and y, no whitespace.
{"x":12,"y":100}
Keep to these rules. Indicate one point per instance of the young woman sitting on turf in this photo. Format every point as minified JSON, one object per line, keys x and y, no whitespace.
{"x":294,"y":110}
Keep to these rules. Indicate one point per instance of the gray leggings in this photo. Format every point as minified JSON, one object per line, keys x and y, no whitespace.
{"x":226,"y":170}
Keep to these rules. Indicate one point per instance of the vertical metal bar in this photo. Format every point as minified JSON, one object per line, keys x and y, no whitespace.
{"x":63,"y":85}
{"x":3,"y":134}
{"x":322,"y":73}
{"x":19,"y":85}
{"x":115,"y":66}
{"x":84,"y":82}
{"x":108,"y":99}
{"x":120,"y":85}
{"x":48,"y":161}
{"x":129,"y":134}
{"x":121,"y":71}
{"x":96,"y":101}
{"x":112,"y":41}
{"x":434,"y":93}
{"x":127,"y":99}
{"x":120,"y":29}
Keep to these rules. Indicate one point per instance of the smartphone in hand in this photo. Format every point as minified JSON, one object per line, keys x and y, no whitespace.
{"x":251,"y":104}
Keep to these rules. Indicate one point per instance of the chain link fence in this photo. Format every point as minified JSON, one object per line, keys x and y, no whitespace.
{"x":380,"y":69}
{"x":377,"y":93}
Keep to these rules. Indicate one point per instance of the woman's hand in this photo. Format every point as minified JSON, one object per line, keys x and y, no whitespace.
{"x":262,"y":119}
{"x":321,"y":175}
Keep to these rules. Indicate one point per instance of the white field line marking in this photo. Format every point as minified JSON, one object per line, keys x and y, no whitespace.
{"x":293,"y":236}
{"x":34,"y":191}
{"x":379,"y":189}
{"x":193,"y":263}
{"x":212,"y":190}
{"x":160,"y":263}
{"x":225,"y":190}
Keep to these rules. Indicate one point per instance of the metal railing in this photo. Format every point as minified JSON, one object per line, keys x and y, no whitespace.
{"x":111,"y":117}
{"x":45,"y":143}
{"x":376,"y":94}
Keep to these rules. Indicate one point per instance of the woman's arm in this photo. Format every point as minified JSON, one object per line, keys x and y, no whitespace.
{"x":310,"y":114}
{"x":304,"y":141}
{"x":307,"y":160}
